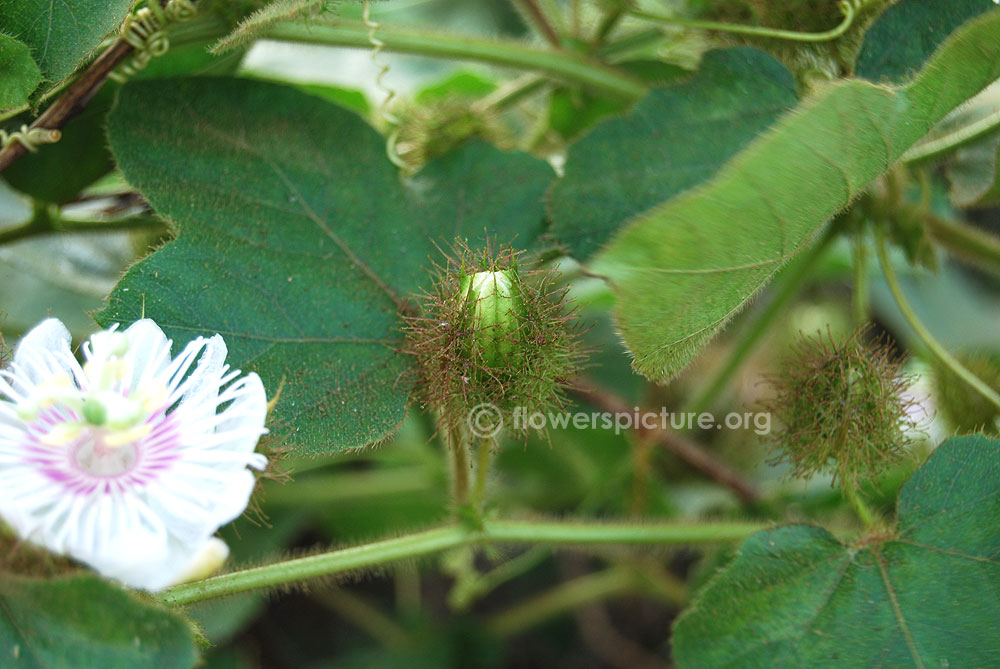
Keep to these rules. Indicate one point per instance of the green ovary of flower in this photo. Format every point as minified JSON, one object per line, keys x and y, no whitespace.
{"x":110,"y":412}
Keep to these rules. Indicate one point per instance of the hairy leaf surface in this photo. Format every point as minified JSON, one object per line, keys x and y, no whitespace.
{"x":298,"y":241}
{"x":82,"y":621}
{"x":677,"y":137}
{"x":18,"y":71}
{"x":928,"y":595}
{"x":907,"y":33}
{"x":61,"y":33}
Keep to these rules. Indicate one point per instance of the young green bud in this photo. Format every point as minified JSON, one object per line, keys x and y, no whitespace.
{"x":495,"y":311}
{"x":492,"y":334}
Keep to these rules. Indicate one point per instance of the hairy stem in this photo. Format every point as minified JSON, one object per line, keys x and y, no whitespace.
{"x":925,"y":335}
{"x":539,"y":21}
{"x":560,"y":65}
{"x":942,"y":146}
{"x":324,"y":564}
{"x":970,"y":244}
{"x":860,"y":508}
{"x":589,"y":533}
{"x":452,"y":536}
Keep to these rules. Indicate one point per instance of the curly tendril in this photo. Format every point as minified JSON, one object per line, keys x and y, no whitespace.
{"x":849,"y":9}
{"x":146,"y":31}
{"x":29,"y":138}
{"x":391,"y":120}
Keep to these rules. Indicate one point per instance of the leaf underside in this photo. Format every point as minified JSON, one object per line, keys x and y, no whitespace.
{"x":676,"y":137}
{"x":683,"y":269}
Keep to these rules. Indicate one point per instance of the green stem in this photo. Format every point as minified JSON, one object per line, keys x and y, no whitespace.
{"x":864,"y":513}
{"x":43,"y":223}
{"x":608,"y":24}
{"x":459,"y":467}
{"x":953,"y":141}
{"x":338,"y":488}
{"x":469,"y":590}
{"x":324,"y":564}
{"x":972,"y":245}
{"x":509,"y":93}
{"x":664,"y":583}
{"x":633,"y":42}
{"x":539,"y":21}
{"x":847,"y":8}
{"x":860,"y":298}
{"x":565,"y":597}
{"x":408,"y":589}
{"x":925,"y":335}
{"x":582,"y":533}
{"x":482,"y":473}
{"x":790,"y":284}
{"x":561,"y":65}
{"x":452,"y":536}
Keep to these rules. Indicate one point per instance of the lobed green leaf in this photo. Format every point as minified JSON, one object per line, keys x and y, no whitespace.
{"x":926,"y":595}
{"x":299,"y":242}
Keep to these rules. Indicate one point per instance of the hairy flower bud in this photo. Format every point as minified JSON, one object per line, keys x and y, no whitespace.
{"x":492,"y":335}
{"x":495,"y":310}
{"x":841,"y":407}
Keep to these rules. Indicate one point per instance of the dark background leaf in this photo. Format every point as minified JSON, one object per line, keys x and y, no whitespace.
{"x":676,"y":138}
{"x":60,"y":171}
{"x":907,"y":33}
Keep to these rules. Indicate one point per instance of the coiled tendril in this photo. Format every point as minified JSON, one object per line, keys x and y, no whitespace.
{"x":146,"y":31}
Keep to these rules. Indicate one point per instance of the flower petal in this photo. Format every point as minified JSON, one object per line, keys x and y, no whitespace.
{"x":148,"y":353}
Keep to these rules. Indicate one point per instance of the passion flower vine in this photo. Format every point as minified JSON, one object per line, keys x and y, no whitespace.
{"x":130,"y":462}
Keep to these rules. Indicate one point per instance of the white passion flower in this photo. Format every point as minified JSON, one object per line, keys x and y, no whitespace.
{"x":130,"y":462}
